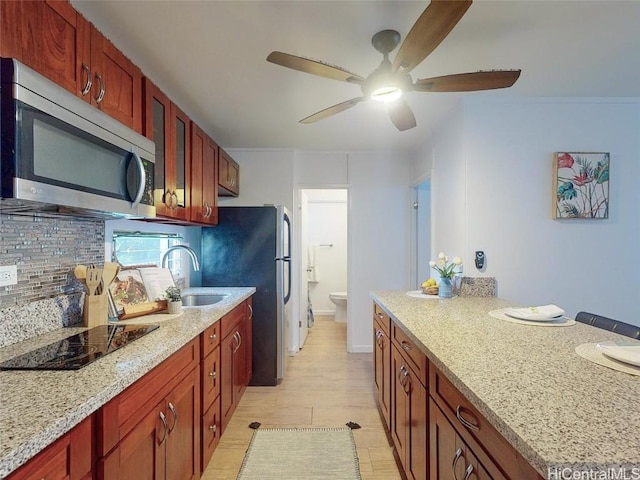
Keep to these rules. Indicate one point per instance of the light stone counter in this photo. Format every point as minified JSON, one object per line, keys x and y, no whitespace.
{"x":38,"y":407}
{"x":556,"y":408}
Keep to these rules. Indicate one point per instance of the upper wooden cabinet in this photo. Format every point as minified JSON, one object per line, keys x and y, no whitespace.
{"x":59,"y":43}
{"x":204,"y":174}
{"x":169,"y":128}
{"x":228,"y":175}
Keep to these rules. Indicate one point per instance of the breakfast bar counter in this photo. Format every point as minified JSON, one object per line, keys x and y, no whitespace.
{"x":561,"y":412}
{"x":37,"y":407}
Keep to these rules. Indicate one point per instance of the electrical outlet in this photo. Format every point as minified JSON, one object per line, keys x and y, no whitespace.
{"x":8,"y":275}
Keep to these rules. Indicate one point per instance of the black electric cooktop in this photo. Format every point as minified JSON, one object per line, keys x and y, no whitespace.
{"x":76,"y":351}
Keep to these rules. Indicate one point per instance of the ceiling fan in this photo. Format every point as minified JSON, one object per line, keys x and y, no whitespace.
{"x":390,"y":80}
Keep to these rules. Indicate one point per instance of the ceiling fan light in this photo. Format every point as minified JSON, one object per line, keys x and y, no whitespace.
{"x":386,"y":94}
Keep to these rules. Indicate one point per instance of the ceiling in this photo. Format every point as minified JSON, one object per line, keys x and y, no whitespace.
{"x":209,"y":57}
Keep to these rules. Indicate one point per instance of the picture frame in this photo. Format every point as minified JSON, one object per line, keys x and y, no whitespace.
{"x":581,"y":185}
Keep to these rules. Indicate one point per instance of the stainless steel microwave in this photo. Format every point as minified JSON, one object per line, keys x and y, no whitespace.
{"x":60,"y":155}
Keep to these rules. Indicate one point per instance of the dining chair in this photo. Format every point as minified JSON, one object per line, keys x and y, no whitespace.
{"x":609,"y":324}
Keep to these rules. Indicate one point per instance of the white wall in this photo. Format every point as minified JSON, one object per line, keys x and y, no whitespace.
{"x":504,"y":156}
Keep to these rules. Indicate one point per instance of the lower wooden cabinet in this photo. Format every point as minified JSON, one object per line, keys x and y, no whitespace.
{"x":409,"y":417}
{"x":382,"y":366}
{"x":152,"y":429}
{"x":211,"y":429}
{"x":69,"y":458}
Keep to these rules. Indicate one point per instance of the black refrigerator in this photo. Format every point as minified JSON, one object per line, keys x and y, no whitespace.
{"x":251,"y":247}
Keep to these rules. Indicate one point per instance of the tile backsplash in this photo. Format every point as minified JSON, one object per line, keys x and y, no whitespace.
{"x":45,"y":250}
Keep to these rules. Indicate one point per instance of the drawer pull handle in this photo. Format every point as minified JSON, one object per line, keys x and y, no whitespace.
{"x":213,"y":428}
{"x":406,"y":347}
{"x":102,"y":88}
{"x":166,"y":427}
{"x":456,"y":457}
{"x":380,"y":315}
{"x":465,"y":422}
{"x":250,"y":311}
{"x":213,"y":336}
{"x":175,"y":417}
{"x":212,"y":374}
{"x":468,"y":472}
{"x":403,"y":377}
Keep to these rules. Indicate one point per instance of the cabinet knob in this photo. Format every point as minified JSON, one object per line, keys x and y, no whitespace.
{"x":213,"y":336}
{"x":212,"y":374}
{"x":213,"y":428}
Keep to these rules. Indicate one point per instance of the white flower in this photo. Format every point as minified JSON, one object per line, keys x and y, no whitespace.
{"x":441,"y":256}
{"x":432,"y":263}
{"x":442,"y":262}
{"x":457,"y":260}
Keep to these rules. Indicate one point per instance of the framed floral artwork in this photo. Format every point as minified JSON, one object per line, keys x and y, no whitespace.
{"x":581,"y":185}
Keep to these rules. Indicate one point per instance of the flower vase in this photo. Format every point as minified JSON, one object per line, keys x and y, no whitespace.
{"x":445,"y":290}
{"x":174,"y":307}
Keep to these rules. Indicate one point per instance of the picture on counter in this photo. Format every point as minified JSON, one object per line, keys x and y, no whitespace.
{"x":138,"y":291}
{"x":581,"y":185}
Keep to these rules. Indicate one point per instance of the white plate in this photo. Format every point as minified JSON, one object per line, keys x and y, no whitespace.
{"x":419,"y":294}
{"x":544,"y":313}
{"x":627,"y":352}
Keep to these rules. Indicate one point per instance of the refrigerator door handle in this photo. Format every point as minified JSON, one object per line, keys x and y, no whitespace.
{"x":288,"y":295}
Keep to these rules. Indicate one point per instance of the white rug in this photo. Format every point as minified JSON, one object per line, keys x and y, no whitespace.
{"x":301,"y":454}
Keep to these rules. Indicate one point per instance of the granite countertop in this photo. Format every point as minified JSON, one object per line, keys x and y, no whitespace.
{"x":38,"y":407}
{"x":556,"y":408}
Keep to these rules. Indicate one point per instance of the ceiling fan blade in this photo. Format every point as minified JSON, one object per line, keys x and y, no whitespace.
{"x":468,"y":82}
{"x":431,"y":28}
{"x":313,"y":67}
{"x":327,"y":112}
{"x":401,"y":115}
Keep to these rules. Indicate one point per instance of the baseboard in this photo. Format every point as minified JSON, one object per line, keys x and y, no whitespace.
{"x":324,"y":312}
{"x":361,"y":349}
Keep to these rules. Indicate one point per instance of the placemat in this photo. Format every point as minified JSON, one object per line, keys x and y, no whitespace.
{"x":590,"y":352}
{"x":419,"y":294}
{"x":561,"y":322}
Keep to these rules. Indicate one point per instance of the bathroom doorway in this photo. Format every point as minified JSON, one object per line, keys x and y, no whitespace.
{"x":323,"y":255}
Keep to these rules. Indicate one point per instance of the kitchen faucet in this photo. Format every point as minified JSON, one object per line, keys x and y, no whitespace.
{"x":189,"y":250}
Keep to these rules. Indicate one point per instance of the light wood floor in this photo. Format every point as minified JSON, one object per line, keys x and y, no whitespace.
{"x":323,"y":386}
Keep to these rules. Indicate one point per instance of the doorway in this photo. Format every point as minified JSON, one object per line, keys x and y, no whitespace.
{"x":323,"y":255}
{"x":422,"y":250}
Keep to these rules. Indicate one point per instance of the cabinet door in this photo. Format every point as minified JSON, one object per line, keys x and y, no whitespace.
{"x":227,"y":350}
{"x":183,"y":438}
{"x":117,"y":82}
{"x":42,"y":35}
{"x":179,"y":131}
{"x":382,"y":362}
{"x":228,"y":175}
{"x":157,"y":117}
{"x":203,"y":207}
{"x":399,"y":406}
{"x":141,"y":454}
{"x":446,"y":462}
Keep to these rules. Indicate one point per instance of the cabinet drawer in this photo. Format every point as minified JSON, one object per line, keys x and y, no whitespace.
{"x":230,"y":321}
{"x":210,"y":339}
{"x":410,"y":351}
{"x":382,"y":318}
{"x":211,"y":431}
{"x":210,"y":374}
{"x":476,"y":431}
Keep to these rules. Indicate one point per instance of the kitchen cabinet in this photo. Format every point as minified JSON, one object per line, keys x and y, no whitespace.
{"x":169,"y":128}
{"x":228,"y":175}
{"x":382,"y":362}
{"x":483,"y":451}
{"x":70,"y":457}
{"x":235,"y":354}
{"x":54,"y":40}
{"x":211,"y":427}
{"x":152,"y":429}
{"x":408,"y":416}
{"x":451,"y":458}
{"x":204,"y":178}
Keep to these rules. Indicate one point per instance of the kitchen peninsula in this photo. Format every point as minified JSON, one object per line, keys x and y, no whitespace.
{"x":39,"y":407}
{"x":558,"y":411}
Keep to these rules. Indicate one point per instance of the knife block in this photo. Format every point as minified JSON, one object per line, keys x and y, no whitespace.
{"x":96,"y":310}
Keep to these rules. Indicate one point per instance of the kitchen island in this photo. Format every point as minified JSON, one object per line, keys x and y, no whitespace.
{"x":38,"y":407}
{"x":560,"y":412}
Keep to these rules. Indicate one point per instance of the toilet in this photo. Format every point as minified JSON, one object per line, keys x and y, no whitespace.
{"x":340,"y":300}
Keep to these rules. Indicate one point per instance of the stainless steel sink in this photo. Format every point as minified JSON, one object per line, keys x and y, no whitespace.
{"x":202,"y":299}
